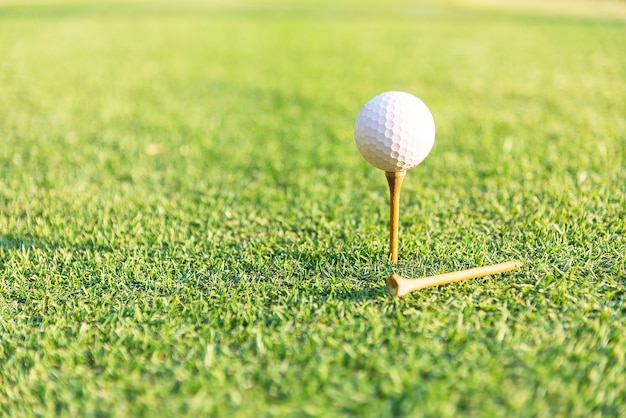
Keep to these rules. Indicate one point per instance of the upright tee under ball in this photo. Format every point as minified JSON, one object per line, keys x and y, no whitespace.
{"x":394,"y":131}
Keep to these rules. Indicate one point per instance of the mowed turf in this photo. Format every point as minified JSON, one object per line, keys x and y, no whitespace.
{"x":187,"y":228}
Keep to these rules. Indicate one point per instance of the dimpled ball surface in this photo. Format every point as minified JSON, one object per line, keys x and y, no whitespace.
{"x":394,"y":131}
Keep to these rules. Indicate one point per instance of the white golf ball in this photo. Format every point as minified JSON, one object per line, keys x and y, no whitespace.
{"x":394,"y":131}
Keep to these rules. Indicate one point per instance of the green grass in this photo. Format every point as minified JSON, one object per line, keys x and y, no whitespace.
{"x":187,"y":228}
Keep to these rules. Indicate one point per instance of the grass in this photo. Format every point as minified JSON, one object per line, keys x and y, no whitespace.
{"x":186,"y":226}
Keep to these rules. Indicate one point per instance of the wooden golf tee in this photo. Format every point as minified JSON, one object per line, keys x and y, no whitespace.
{"x":394,"y":179}
{"x":400,"y":286}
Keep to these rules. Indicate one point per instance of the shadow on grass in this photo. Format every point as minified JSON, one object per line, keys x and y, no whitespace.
{"x":26,"y":242}
{"x":324,"y":274}
{"x":334,"y":274}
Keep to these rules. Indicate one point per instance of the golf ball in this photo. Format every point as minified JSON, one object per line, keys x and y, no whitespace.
{"x":394,"y":131}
